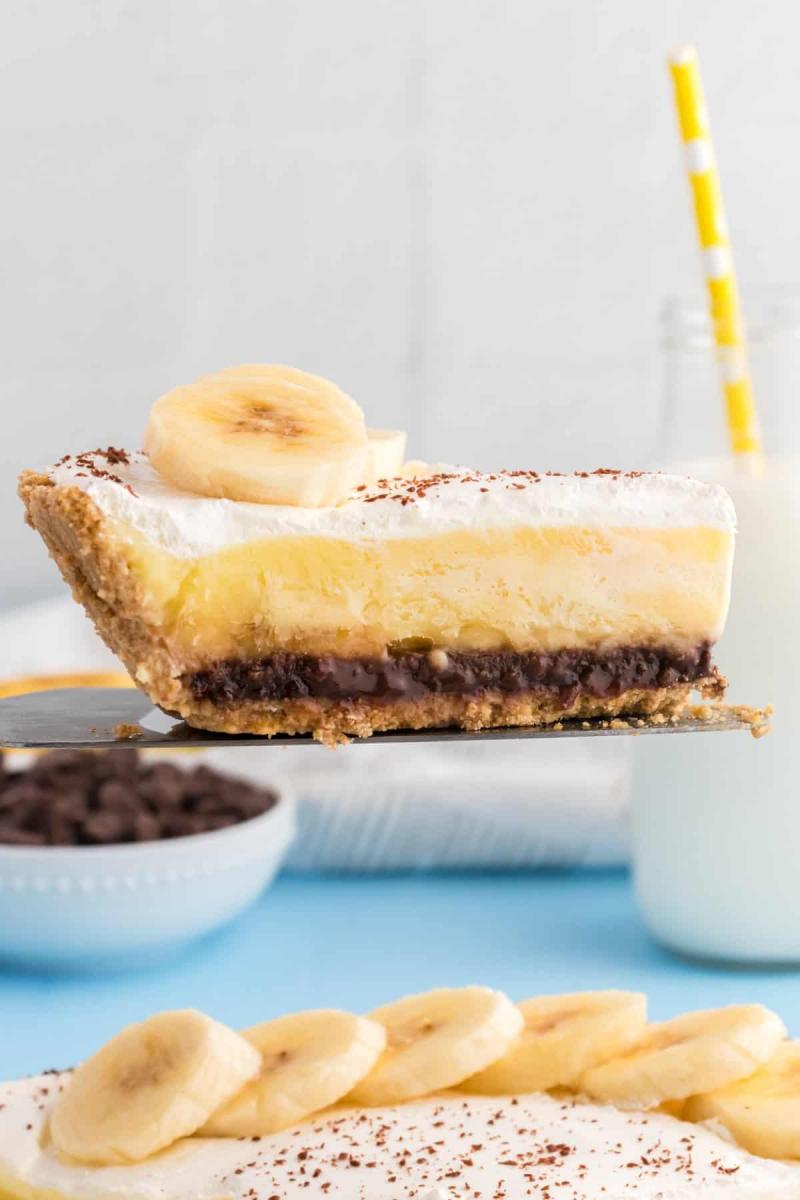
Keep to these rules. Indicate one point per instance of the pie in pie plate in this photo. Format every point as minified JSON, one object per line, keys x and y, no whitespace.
{"x":452,"y":1094}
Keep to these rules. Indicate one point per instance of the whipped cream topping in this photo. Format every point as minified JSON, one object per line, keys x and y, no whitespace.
{"x":126,"y":487}
{"x":451,"y":1147}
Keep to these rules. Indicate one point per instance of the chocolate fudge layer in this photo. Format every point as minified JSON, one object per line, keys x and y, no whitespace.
{"x":566,"y":674}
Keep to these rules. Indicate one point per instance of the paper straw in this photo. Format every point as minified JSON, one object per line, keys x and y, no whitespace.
{"x":712,"y":230}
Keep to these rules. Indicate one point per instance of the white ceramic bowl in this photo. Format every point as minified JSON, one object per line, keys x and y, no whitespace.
{"x":114,"y":907}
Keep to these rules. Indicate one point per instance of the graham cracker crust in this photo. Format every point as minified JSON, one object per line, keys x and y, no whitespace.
{"x":91,"y":562}
{"x":333,"y":721}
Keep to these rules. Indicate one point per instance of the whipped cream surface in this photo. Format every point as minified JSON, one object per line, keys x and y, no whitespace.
{"x":127,"y":488}
{"x":451,"y":1147}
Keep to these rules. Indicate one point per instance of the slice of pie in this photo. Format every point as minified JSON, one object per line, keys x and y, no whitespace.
{"x":386,"y":1107}
{"x":259,"y":571}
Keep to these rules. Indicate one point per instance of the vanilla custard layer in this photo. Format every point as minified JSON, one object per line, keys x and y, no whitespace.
{"x":451,"y":1146}
{"x":522,"y":589}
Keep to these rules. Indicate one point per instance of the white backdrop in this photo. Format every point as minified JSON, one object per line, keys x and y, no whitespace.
{"x":464,"y":211}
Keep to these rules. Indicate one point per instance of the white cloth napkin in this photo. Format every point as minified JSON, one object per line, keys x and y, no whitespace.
{"x":450,"y":806}
{"x":508,"y":804}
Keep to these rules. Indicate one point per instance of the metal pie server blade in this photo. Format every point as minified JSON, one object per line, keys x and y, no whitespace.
{"x":96,"y":718}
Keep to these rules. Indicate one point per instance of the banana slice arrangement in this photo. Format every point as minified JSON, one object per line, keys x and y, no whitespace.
{"x":181,"y":1073}
{"x":268,"y":435}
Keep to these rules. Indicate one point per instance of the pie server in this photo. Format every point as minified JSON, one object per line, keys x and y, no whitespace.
{"x":90,"y":718}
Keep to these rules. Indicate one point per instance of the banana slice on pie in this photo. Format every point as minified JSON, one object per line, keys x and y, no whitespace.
{"x":698,"y":1052}
{"x":270,"y":435}
{"x":153,"y":1083}
{"x":563,"y":1037}
{"x":309,"y":1061}
{"x":437,"y":1040}
{"x":417,"y":468}
{"x":762,"y":1112}
{"x":386,"y":450}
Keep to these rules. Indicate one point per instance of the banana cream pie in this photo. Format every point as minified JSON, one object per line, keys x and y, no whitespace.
{"x":439,"y":1095}
{"x":270,"y":565}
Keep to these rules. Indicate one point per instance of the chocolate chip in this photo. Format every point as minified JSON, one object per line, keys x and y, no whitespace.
{"x":20,"y":837}
{"x":105,"y":828}
{"x":118,"y":796}
{"x":73,"y":797}
{"x":163,"y":786}
{"x":119,"y":765}
{"x":146,"y":827}
{"x":182,"y":824}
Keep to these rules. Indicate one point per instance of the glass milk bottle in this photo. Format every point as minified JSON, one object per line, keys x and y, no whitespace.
{"x":716,"y":816}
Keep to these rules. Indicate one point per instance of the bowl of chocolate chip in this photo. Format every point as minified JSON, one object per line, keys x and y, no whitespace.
{"x":111,"y":859}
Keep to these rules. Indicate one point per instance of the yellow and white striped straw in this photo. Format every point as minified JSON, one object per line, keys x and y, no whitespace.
{"x":712,"y":229}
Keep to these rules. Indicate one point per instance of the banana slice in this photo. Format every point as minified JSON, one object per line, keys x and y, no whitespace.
{"x":309,"y":1061}
{"x":564,"y":1036}
{"x":761,"y":1112}
{"x":436,"y":1040}
{"x":698,"y":1052}
{"x":415,"y":468}
{"x":385,"y":452}
{"x":270,"y":435}
{"x":385,"y":447}
{"x":150,"y":1085}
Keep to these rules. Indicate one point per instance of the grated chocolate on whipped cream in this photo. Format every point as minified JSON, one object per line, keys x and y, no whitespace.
{"x":460,"y":1148}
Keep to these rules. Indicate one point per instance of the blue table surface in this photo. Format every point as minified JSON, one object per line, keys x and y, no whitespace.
{"x":355,"y":942}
